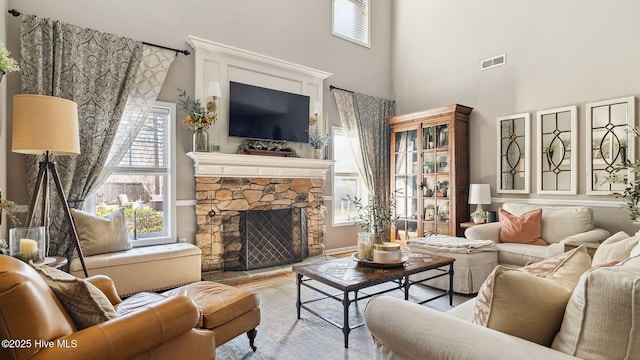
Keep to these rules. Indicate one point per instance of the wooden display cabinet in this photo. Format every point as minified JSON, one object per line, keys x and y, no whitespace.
{"x":430,"y":171}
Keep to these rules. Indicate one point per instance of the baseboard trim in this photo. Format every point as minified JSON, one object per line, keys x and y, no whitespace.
{"x":341,"y":250}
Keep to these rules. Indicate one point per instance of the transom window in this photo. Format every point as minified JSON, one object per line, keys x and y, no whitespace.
{"x":351,"y":21}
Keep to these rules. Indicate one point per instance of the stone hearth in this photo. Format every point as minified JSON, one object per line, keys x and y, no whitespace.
{"x":228,"y":193}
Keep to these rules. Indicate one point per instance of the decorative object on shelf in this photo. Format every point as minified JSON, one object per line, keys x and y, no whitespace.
{"x":443,"y":187}
{"x":479,"y":216}
{"x":28,"y":244}
{"x":375,"y":217}
{"x":7,"y":64}
{"x":430,"y":212}
{"x":318,"y":141}
{"x":272,"y":148}
{"x":197,"y":119}
{"x":46,"y":126}
{"x":479,"y":194}
{"x":429,"y":166}
{"x":200,"y":140}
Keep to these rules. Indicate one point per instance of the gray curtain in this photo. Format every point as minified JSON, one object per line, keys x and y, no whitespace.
{"x":96,"y":71}
{"x":364,"y":118}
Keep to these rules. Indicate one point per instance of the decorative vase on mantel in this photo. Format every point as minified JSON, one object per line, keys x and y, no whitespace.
{"x":318,"y":153}
{"x":200,"y":140}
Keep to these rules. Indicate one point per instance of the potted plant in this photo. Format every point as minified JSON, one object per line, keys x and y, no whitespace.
{"x":318,"y":141}
{"x":375,"y":217}
{"x":429,"y":166}
{"x":479,"y":217}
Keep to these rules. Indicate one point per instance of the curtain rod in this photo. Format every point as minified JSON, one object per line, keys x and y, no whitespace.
{"x":331,"y":87}
{"x":15,"y":12}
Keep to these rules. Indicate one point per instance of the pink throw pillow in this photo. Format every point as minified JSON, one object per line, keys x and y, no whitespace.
{"x":523,"y":229}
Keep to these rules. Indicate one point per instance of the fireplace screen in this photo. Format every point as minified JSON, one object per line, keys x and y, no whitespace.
{"x":267,"y":238}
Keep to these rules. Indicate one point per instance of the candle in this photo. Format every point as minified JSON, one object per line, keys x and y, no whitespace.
{"x":326,"y":124}
{"x":28,"y":247}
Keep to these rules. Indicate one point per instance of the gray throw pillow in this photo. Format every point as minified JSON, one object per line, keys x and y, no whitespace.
{"x":84,"y":302}
{"x":100,"y":235}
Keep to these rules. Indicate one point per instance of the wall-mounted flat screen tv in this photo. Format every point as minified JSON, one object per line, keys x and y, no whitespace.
{"x":266,"y":114}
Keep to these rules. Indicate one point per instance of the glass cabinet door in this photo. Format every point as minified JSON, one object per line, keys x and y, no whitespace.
{"x":435,"y":180}
{"x":406,"y":183}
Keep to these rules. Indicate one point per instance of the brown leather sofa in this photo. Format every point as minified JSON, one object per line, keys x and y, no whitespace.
{"x":30,"y":312}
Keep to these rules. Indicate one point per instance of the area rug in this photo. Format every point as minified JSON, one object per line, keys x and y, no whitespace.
{"x":281,"y":336}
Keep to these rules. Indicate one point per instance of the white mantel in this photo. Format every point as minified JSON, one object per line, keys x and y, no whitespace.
{"x":216,"y":164}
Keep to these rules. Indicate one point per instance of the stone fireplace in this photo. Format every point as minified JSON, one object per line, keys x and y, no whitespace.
{"x":228,"y":184}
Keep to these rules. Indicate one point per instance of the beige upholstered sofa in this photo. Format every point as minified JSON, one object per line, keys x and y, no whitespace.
{"x":560,"y":225}
{"x":600,"y":321}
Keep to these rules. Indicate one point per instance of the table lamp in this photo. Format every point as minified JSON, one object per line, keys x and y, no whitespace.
{"x":479,"y":194}
{"x":214,"y":92}
{"x":47,"y":125}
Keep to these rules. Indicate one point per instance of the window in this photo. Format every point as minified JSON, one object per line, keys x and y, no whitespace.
{"x":351,"y":21}
{"x":142,"y":181}
{"x":346,"y":179}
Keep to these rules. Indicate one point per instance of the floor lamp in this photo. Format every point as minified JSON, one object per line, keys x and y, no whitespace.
{"x":47,"y":125}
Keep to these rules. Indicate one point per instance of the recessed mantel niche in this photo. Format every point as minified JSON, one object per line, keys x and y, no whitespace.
{"x":227,"y":183}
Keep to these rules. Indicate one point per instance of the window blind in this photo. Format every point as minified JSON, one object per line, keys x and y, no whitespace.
{"x":351,"y":20}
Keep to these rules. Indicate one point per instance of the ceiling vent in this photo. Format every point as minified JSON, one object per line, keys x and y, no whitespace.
{"x":493,"y":62}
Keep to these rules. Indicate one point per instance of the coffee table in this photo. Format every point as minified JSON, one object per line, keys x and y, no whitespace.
{"x":347,"y":275}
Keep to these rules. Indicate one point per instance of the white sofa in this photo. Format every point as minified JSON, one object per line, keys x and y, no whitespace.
{"x":601,"y":321}
{"x":147,"y":268}
{"x":560,"y":225}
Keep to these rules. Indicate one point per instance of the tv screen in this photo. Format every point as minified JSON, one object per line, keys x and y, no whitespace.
{"x":266,"y":114}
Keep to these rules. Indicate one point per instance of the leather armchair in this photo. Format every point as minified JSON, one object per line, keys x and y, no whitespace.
{"x":31,"y":316}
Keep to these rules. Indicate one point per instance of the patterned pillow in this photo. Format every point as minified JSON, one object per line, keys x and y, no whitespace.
{"x":100,"y":235}
{"x":84,"y":302}
{"x":523,"y":229}
{"x":617,"y":247}
{"x":529,"y":302}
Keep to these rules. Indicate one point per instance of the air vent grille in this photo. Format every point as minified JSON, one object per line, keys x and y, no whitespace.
{"x":493,"y":62}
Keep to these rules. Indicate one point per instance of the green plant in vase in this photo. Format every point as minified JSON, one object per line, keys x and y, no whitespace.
{"x":375,"y":217}
{"x":479,"y":217}
{"x":631,"y":192}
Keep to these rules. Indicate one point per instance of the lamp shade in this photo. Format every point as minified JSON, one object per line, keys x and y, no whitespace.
{"x":479,"y":194}
{"x":45,"y":123}
{"x":214,"y":89}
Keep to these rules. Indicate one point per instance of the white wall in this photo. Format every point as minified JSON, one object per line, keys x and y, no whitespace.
{"x":559,"y":53}
{"x":292,"y":30}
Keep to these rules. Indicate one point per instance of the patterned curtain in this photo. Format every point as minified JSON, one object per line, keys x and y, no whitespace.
{"x":149,"y":77}
{"x":94,"y":69}
{"x":365,"y":118}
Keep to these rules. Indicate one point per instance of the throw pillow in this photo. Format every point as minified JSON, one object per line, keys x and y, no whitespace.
{"x":529,"y":302}
{"x":100,"y":235}
{"x":565,"y":269}
{"x":601,"y":320}
{"x":616,"y":247}
{"x":523,"y":229}
{"x":84,"y":302}
{"x":521,"y":304}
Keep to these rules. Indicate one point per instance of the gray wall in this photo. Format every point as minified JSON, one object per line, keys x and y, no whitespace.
{"x":292,"y":30}
{"x":559,"y":53}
